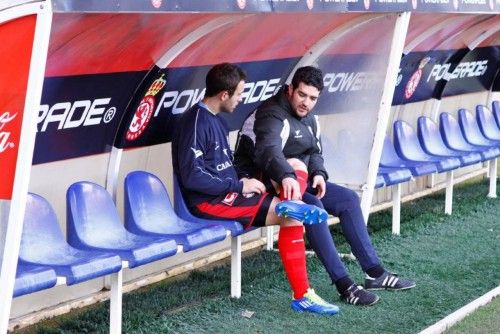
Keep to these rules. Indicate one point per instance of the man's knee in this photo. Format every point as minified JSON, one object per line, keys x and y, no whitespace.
{"x":311,"y":199}
{"x":351,"y":196}
{"x":339,"y":198}
{"x":273,"y":219}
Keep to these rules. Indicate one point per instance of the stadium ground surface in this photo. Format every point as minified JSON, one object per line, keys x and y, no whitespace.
{"x":486,"y":320}
{"x":454,"y":260}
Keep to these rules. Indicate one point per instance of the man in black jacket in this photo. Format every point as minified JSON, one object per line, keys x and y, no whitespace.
{"x":283,"y":128}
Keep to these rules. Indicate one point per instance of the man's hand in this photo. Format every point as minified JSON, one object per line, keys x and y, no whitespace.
{"x":319,"y":184}
{"x":252,"y":186}
{"x":291,"y":188}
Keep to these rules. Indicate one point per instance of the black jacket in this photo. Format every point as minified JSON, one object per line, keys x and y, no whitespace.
{"x":274,"y":133}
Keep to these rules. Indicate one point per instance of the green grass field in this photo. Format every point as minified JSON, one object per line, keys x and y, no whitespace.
{"x":454,"y":260}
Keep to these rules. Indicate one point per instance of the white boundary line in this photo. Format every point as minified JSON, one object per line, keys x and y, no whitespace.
{"x":461,"y":313}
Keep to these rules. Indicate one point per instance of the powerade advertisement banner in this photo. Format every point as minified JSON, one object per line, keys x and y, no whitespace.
{"x":277,"y":5}
{"x":85,"y":115}
{"x":351,"y":83}
{"x":436,"y":74}
{"x":17,"y":42}
{"x":88,"y":114}
{"x":79,"y":115}
{"x":168,"y":93}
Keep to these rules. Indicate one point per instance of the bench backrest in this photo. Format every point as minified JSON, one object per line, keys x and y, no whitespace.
{"x":406,"y":142}
{"x":92,"y":216}
{"x":486,"y":122}
{"x":183,"y":212}
{"x":146,"y":203}
{"x":495,"y":105}
{"x":470,"y":128}
{"x":42,"y":237}
{"x":430,"y":138}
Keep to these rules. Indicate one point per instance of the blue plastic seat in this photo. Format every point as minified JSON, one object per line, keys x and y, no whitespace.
{"x":471,"y":132}
{"x":408,"y":147}
{"x":390,"y":158}
{"x":31,"y":278}
{"x":496,"y":112}
{"x":432,"y":143}
{"x":93,"y":224}
{"x":148,"y":211}
{"x":43,"y":244}
{"x":394,"y":175}
{"x":487,"y":123}
{"x":453,"y":138}
{"x":379,"y":182}
{"x":183,"y":212}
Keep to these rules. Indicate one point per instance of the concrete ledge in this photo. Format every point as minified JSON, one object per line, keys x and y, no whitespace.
{"x":461,"y":313}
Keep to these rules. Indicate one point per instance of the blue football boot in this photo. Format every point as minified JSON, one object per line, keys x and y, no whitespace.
{"x":313,"y":303}
{"x":307,"y":214}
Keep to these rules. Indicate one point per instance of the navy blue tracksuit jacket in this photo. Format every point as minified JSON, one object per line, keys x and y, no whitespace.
{"x":201,"y":156}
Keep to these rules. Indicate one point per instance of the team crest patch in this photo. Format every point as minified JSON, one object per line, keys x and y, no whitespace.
{"x":156,"y":3}
{"x":144,"y":111}
{"x":241,"y":4}
{"x":230,"y":198}
{"x":412,"y":84}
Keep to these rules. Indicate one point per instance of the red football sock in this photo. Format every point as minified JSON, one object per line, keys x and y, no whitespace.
{"x":292,"y":251}
{"x":302,"y":176}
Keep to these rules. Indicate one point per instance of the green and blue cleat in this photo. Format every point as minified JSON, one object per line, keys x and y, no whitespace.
{"x":313,"y":303}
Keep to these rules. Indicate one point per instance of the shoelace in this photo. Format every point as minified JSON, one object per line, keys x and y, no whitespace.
{"x":353,"y":290}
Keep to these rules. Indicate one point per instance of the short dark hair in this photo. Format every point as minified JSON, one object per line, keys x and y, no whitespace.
{"x":309,"y":75}
{"x":223,"y":77}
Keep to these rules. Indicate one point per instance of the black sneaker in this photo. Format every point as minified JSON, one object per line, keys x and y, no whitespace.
{"x":388,"y":281}
{"x":356,"y":295}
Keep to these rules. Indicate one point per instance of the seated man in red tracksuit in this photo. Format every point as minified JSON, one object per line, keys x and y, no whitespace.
{"x":203,"y":161}
{"x":283,"y":128}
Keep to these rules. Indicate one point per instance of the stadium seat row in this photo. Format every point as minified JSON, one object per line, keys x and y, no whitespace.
{"x":437,"y":149}
{"x":98,"y":244}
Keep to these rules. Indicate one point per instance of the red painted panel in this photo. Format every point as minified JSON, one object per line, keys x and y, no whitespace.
{"x":106,"y":43}
{"x":262,"y":37}
{"x":17,"y":41}
{"x":371,"y":37}
{"x":451,"y":36}
{"x":481,"y":27}
{"x":492,"y":40}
